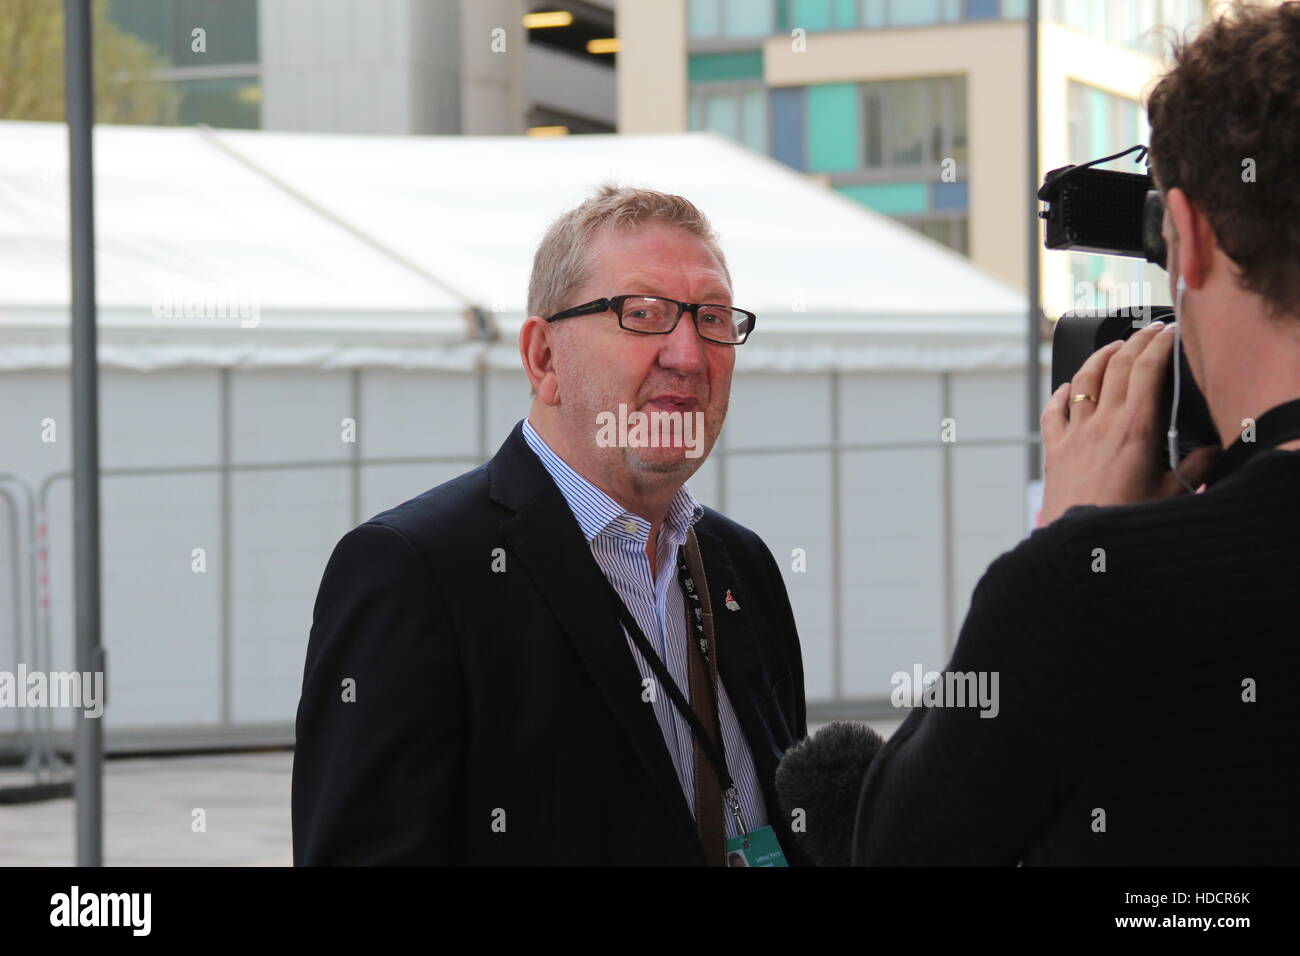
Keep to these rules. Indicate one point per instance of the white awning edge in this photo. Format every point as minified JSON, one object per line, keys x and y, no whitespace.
{"x":470,"y":356}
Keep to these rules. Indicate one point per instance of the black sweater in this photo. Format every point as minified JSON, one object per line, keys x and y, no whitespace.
{"x":1121,"y":691}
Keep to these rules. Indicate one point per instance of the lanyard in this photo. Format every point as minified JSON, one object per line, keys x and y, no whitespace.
{"x":715,"y":752}
{"x":1275,"y":427}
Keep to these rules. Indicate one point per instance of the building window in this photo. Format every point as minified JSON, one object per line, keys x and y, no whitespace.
{"x":229,"y":28}
{"x":883,"y":145}
{"x":983,"y":9}
{"x":955,"y":121}
{"x":909,"y":117}
{"x":1137,"y":24}
{"x":739,"y":114}
{"x":229,"y":102}
{"x":922,"y":12}
{"x":893,"y":199}
{"x":952,"y":231}
{"x":1130,"y":23}
{"x":703,"y":18}
{"x":788,"y":127}
{"x":728,"y":97}
{"x":880,"y":144}
{"x":1123,"y":22}
{"x":820,"y":15}
{"x":1101,"y":123}
{"x":746,"y":18}
{"x":715,"y":67}
{"x":833,"y":128}
{"x":914,"y":123}
{"x":710,"y":19}
{"x":219,"y":84}
{"x":909,"y":125}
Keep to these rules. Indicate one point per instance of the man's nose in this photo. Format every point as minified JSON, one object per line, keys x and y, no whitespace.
{"x":683,"y":348}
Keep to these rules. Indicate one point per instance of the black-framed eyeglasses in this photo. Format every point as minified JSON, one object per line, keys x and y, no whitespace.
{"x":655,"y":315}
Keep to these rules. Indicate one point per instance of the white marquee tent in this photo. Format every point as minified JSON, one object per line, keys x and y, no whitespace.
{"x":258,"y":289}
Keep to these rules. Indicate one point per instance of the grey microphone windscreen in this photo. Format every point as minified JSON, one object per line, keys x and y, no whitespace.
{"x":822,"y":776}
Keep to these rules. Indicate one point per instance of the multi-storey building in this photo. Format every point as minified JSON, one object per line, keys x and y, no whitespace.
{"x":384,"y":66}
{"x":915,"y":108}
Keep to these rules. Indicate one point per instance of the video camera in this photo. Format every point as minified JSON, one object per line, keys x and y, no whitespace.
{"x":1118,"y":214}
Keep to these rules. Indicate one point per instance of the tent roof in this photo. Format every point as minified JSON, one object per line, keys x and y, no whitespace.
{"x":370,"y":238}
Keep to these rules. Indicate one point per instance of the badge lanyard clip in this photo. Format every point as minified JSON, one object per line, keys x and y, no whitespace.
{"x":733,"y":803}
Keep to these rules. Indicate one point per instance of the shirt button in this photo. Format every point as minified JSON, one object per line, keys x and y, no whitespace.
{"x":630,"y":527}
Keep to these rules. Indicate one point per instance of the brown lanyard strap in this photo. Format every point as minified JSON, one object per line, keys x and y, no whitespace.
{"x":702,"y":670}
{"x":711,"y":745}
{"x":692,"y":570}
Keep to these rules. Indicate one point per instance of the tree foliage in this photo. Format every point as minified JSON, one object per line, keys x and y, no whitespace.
{"x":32,"y":72}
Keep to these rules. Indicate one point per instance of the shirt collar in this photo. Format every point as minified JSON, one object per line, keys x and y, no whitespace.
{"x":596,"y":512}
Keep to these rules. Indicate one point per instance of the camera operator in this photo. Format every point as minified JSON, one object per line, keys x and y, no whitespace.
{"x":1148,"y":640}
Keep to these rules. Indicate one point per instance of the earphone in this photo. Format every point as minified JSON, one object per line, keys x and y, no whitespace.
{"x":1180,"y":289}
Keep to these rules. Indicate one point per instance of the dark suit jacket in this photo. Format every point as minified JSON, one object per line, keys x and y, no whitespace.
{"x":498,"y":716}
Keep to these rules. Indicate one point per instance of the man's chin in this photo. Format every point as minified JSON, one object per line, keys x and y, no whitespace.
{"x":662,"y":461}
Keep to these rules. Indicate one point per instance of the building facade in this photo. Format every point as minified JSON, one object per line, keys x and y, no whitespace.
{"x":915,"y":108}
{"x":382,"y":66}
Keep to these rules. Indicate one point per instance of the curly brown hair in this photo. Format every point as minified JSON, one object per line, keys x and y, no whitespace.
{"x":1233,"y":95}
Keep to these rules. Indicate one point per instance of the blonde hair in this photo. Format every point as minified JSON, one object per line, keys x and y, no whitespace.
{"x":562,"y":264}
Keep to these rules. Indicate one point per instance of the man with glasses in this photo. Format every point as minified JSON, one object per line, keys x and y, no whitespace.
{"x":561,"y":657}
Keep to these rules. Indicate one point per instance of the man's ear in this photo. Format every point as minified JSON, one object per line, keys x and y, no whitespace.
{"x":1194,"y":244}
{"x":537,"y":353}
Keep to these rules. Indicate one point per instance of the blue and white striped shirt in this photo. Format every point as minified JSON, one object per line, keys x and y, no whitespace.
{"x":618,"y":542}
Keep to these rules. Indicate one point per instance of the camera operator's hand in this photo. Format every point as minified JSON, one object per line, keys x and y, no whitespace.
{"x":1103,"y":452}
